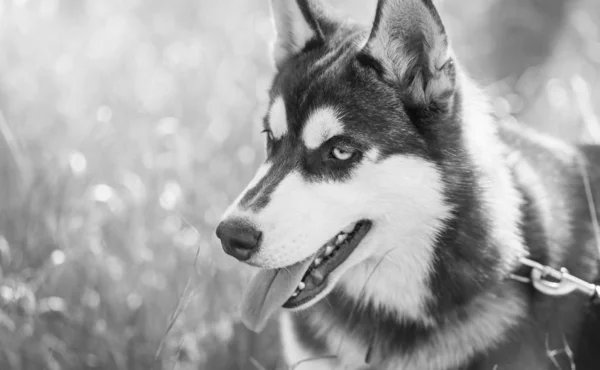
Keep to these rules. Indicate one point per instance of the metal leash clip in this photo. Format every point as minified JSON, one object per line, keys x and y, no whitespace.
{"x":553,"y":282}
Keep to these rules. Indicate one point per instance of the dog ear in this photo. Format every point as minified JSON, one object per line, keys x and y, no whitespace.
{"x":409,"y":40}
{"x":296,"y":23}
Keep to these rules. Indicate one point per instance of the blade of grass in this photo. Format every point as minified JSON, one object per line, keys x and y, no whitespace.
{"x":256,"y":364}
{"x":14,"y":150}
{"x":585,"y":106}
{"x":181,"y":305}
{"x":582,"y":97}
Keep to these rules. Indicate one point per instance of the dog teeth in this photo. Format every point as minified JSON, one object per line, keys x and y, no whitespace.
{"x":329,"y":249}
{"x":295,"y":294}
{"x":348,"y":229}
{"x":335,"y":243}
{"x":301,"y":286}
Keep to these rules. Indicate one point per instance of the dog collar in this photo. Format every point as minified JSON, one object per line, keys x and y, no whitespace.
{"x":552,"y":282}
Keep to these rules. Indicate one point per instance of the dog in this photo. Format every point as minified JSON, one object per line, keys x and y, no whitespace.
{"x":393,"y":211}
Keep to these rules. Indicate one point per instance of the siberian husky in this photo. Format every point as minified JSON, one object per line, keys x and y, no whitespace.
{"x":392,"y":213}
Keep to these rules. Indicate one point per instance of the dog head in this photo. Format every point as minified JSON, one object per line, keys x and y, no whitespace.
{"x":360,"y":125}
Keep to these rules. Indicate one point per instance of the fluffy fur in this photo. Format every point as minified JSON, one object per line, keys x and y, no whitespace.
{"x":277,"y":119}
{"x":321,"y":126}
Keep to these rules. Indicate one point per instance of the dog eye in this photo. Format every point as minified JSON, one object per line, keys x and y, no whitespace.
{"x":342,"y":154}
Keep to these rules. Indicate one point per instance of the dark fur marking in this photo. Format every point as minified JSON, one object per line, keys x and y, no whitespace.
{"x":320,"y":165}
{"x":258,"y":197}
{"x":311,"y":45}
{"x":368,"y":61}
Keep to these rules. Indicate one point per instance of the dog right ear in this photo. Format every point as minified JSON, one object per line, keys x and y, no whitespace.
{"x":296,"y":23}
{"x":409,"y":40}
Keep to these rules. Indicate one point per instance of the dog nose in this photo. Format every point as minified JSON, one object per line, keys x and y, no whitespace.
{"x":238,"y":239}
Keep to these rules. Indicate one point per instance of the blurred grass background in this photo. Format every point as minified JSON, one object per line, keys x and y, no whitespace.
{"x":126,"y":128}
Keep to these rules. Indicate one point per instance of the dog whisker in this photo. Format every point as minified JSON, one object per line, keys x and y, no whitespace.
{"x":256,"y":364}
{"x":312,"y":359}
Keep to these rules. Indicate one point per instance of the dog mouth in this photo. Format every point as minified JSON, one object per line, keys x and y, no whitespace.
{"x":326,"y":260}
{"x":303,"y":282}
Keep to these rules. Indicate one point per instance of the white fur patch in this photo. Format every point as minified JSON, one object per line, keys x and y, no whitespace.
{"x":404,"y":239}
{"x":403,"y":197}
{"x":278,"y":118}
{"x":322,"y":125}
{"x":502,"y":201}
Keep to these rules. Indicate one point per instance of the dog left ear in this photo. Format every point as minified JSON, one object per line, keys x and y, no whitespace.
{"x":409,"y":40}
{"x":296,"y":23}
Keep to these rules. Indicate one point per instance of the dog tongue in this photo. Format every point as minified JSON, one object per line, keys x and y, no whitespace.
{"x":268,"y":291}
